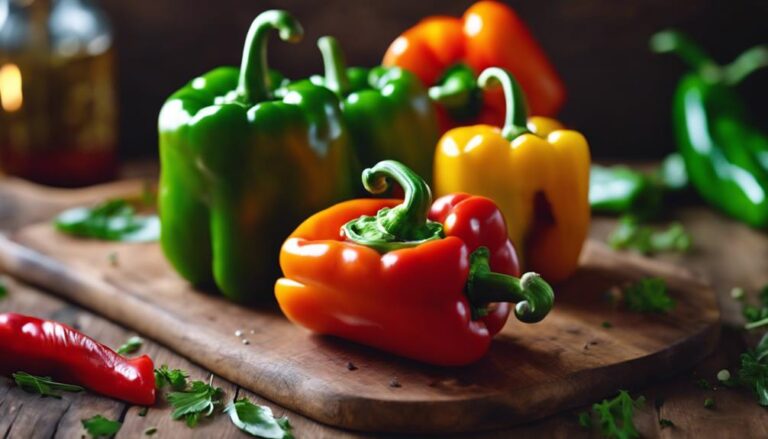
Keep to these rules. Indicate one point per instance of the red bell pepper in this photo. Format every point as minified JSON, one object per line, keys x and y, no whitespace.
{"x":44,"y":347}
{"x":447,"y":54}
{"x":414,"y":279}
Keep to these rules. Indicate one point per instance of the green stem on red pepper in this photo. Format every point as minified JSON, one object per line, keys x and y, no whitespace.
{"x":336,"y":78}
{"x":405,"y":225}
{"x":516,"y":118}
{"x":254,"y":81}
{"x":458,"y":92}
{"x":533,"y":295}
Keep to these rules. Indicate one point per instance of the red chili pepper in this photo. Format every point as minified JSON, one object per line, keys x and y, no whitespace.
{"x":44,"y":347}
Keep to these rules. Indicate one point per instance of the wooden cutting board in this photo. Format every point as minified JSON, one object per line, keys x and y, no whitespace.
{"x":531,"y":371}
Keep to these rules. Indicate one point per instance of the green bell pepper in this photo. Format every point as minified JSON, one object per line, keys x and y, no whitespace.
{"x":241,"y":167}
{"x":387,"y":110}
{"x":726,"y":157}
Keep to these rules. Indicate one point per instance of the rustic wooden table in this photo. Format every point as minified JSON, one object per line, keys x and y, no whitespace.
{"x":725,"y":253}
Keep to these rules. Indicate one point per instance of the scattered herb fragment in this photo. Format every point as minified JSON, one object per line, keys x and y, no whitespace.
{"x":648,"y":295}
{"x":143,"y":412}
{"x":757,"y":316}
{"x":99,"y":426}
{"x":754,"y":371}
{"x":258,"y":420}
{"x":631,"y":234}
{"x":709,"y":403}
{"x":703,"y":384}
{"x":199,"y":399}
{"x":607,"y":325}
{"x":43,"y":385}
{"x":585,"y":420}
{"x":724,"y":375}
{"x":176,"y":378}
{"x":132,"y":345}
{"x":616,"y":416}
{"x":3,"y":288}
{"x":664,"y":423}
{"x":112,"y":220}
{"x":737,"y":293}
{"x":150,"y":431}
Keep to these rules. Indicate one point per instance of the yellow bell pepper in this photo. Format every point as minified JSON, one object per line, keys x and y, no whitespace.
{"x":536,"y":172}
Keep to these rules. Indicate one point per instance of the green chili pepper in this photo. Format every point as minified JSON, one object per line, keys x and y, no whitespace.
{"x":725,"y":156}
{"x":241,"y":166}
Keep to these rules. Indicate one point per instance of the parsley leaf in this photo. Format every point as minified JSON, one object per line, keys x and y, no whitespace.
{"x":43,"y":385}
{"x":754,"y":371}
{"x":99,"y":426}
{"x":648,"y":295}
{"x":200,"y":399}
{"x":112,"y":220}
{"x":585,"y":420}
{"x":258,"y":420}
{"x":616,"y":416}
{"x":663,"y":422}
{"x":132,"y":345}
{"x":631,"y":234}
{"x":176,"y":378}
{"x":3,"y":288}
{"x":757,"y":316}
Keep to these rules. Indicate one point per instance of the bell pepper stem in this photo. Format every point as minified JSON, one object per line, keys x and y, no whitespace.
{"x":516,"y":118}
{"x":336,"y":78}
{"x":533,"y":295}
{"x":253,"y":83}
{"x":747,"y":63}
{"x":673,"y":41}
{"x":405,"y":225}
{"x":456,"y":88}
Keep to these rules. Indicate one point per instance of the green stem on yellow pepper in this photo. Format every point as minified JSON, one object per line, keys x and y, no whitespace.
{"x":533,"y":295}
{"x":405,"y":225}
{"x":253,"y":83}
{"x":516,"y":118}
{"x":336,"y":78}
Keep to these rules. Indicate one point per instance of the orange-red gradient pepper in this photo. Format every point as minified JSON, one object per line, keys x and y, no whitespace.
{"x":536,"y":172}
{"x":427,"y":283}
{"x":448,"y":53}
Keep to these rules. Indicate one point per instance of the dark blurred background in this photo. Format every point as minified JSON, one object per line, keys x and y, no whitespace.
{"x":619,"y":93}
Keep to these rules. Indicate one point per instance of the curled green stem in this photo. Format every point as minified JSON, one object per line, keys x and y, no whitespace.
{"x":533,"y":295}
{"x":516,"y":118}
{"x":254,"y":82}
{"x":405,"y":225}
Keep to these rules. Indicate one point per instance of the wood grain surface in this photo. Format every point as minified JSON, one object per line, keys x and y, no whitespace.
{"x":725,"y":254}
{"x":531,"y":372}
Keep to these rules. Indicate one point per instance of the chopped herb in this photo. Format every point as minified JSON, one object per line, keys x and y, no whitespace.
{"x":143,"y":412}
{"x":3,"y":288}
{"x":113,"y":260}
{"x":666,"y":423}
{"x":648,"y":295}
{"x":99,"y":426}
{"x":131,"y":346}
{"x":709,"y":403}
{"x":616,"y":416}
{"x":150,"y":431}
{"x":757,"y":316}
{"x":607,"y":325}
{"x":112,"y":220}
{"x":176,"y":378}
{"x":737,"y":293}
{"x":258,"y":420}
{"x":703,"y":384}
{"x":43,"y":385}
{"x":199,"y":399}
{"x":754,"y":371}
{"x":585,"y":420}
{"x":633,"y":235}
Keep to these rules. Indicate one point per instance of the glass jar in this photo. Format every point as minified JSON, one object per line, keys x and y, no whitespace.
{"x":58,"y":110}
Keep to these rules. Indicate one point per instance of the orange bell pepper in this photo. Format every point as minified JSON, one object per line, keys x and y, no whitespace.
{"x":536,"y":172}
{"x":425,"y":283}
{"x":447,"y":54}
